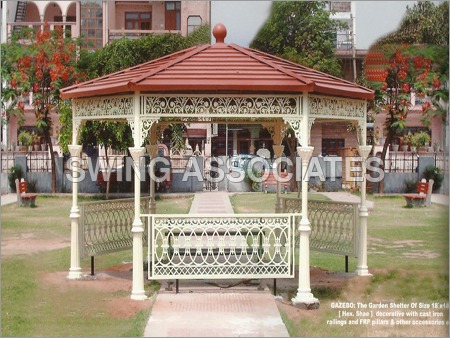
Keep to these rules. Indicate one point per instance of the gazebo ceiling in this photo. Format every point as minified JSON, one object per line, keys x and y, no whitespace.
{"x":219,"y":67}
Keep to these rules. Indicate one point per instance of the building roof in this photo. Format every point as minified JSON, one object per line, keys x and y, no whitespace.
{"x":218,"y":68}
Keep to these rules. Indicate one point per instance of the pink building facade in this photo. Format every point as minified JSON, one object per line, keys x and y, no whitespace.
{"x":97,"y":23}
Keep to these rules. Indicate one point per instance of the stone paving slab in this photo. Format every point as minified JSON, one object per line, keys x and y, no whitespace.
{"x":8,"y":199}
{"x":216,"y":202}
{"x":244,"y":313}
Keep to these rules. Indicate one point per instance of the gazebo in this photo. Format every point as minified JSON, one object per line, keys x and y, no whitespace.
{"x":219,"y":83}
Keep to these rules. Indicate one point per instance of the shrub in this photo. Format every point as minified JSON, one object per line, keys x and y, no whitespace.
{"x":410,"y":186}
{"x":434,"y":173}
{"x":25,"y":138}
{"x":15,"y":172}
{"x":420,"y":139}
{"x":32,"y":186}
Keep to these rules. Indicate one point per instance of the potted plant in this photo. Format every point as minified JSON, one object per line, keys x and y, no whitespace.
{"x":25,"y":140}
{"x":35,"y":141}
{"x":422,"y":139}
{"x":407,"y":141}
{"x":395,"y":146}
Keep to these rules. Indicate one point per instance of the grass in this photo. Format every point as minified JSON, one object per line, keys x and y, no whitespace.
{"x":407,"y":255}
{"x":32,"y":307}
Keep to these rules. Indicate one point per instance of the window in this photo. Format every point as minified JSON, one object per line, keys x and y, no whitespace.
{"x":341,"y":6}
{"x":332,"y":146}
{"x":91,"y":24}
{"x":193,"y":23}
{"x":173,"y":15}
{"x":138,"y":20}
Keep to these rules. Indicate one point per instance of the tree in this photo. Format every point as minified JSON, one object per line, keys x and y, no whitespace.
{"x":427,"y":24}
{"x":43,"y":65}
{"x":124,"y":53}
{"x":118,"y":55}
{"x":407,"y":71}
{"x":301,"y":31}
{"x":425,"y":29}
{"x":110,"y":134}
{"x":423,"y":23}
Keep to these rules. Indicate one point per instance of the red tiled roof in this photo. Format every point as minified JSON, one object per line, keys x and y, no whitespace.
{"x":216,"y":68}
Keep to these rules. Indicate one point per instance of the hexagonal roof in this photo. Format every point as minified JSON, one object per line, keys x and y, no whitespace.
{"x":218,"y":68}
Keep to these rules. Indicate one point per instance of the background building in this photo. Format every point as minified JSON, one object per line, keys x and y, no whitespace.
{"x":98,"y":22}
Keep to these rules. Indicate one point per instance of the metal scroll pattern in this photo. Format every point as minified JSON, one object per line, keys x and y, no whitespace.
{"x":106,"y":107}
{"x":333,"y":224}
{"x":221,"y":246}
{"x":106,"y":226}
{"x":219,"y":106}
{"x":338,"y":107}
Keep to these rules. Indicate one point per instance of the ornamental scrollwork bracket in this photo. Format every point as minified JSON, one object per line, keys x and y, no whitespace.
{"x":146,"y":125}
{"x":296,"y":125}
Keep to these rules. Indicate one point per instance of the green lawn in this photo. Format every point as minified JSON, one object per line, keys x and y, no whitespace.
{"x":407,"y":255}
{"x":32,"y":307}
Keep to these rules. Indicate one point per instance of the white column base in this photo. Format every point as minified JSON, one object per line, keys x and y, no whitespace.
{"x":138,"y":295}
{"x":363,"y":271}
{"x":305,"y":300}
{"x":74,"y":274}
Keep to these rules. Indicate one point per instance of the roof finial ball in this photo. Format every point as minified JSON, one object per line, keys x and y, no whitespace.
{"x":220,"y":32}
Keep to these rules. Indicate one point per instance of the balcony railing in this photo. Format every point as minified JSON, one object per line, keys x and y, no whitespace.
{"x":115,"y":34}
{"x":11,"y":26}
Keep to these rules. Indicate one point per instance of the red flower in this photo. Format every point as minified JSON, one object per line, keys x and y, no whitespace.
{"x":436,"y":83}
{"x":426,"y":106}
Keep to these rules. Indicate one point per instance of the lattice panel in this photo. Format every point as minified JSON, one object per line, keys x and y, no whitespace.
{"x":221,"y":246}
{"x":104,"y":107}
{"x":333,"y":224}
{"x":164,"y":106}
{"x":106,"y":225}
{"x":321,"y":106}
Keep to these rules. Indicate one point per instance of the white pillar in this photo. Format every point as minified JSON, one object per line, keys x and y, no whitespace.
{"x":137,"y":292}
{"x":75,"y":267}
{"x":278,"y":151}
{"x":304,"y":297}
{"x":153,"y":151}
{"x":254,"y":135}
{"x":362,"y":268}
{"x":235,"y":141}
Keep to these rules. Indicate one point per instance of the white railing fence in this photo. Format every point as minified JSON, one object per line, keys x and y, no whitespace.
{"x":246,"y":246}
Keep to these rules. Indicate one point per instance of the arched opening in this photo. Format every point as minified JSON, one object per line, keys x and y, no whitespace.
{"x":53,"y":13}
{"x":32,"y":13}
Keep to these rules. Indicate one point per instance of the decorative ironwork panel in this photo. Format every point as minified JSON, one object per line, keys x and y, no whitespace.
{"x":321,"y":106}
{"x":201,"y":106}
{"x":296,"y":125}
{"x":106,"y":225}
{"x":221,"y":246}
{"x":333,"y":224}
{"x":104,"y":107}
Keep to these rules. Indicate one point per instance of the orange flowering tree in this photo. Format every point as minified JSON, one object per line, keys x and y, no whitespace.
{"x":40,"y":63}
{"x":407,"y":70}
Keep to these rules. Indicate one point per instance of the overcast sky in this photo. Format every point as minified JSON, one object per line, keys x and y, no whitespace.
{"x":243,"y":19}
